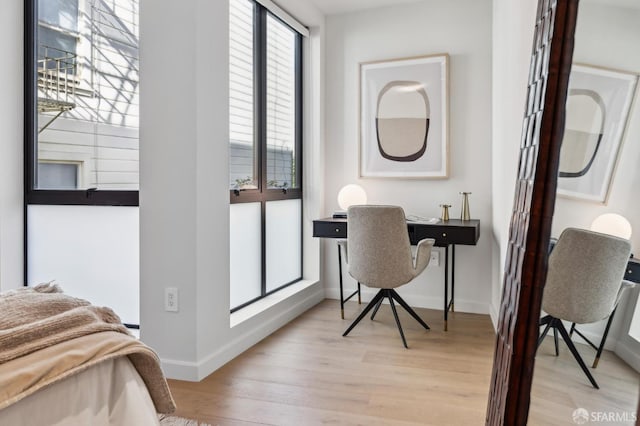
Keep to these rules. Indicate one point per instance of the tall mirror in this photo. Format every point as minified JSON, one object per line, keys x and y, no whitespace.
{"x":599,"y":177}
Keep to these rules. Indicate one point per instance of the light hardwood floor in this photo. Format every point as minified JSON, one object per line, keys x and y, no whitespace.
{"x":308,"y":374}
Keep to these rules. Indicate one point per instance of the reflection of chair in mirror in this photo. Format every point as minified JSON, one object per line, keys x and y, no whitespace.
{"x":378,"y":255}
{"x":583,"y":283}
{"x":619,"y":226}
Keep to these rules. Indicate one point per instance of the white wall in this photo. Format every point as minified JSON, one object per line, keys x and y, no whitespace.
{"x":513,"y":28}
{"x":11,"y":147}
{"x":184,"y":196}
{"x":463,"y":30}
{"x":609,"y":36}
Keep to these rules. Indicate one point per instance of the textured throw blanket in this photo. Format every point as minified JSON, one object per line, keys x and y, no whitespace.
{"x":46,"y":336}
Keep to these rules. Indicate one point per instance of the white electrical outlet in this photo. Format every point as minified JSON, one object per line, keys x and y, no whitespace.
{"x":171,"y":299}
{"x":435,"y":258}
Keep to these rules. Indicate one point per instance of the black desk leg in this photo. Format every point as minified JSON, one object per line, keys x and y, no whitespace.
{"x":453,"y":276}
{"x":446,"y":285}
{"x":449,"y":303}
{"x":340,"y":272}
{"x":343,"y":300}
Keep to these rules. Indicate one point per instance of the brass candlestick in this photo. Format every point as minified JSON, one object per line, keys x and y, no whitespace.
{"x":445,"y":212}
{"x":465,"y":214}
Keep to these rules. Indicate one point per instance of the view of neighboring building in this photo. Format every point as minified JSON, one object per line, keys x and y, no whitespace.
{"x":88,"y":97}
{"x":88,"y":94}
{"x":280,"y":101}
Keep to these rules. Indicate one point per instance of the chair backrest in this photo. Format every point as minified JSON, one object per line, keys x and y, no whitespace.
{"x":585,"y":273}
{"x":379,"y":247}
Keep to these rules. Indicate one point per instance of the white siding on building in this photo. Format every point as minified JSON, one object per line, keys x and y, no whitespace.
{"x":280,"y":99}
{"x":101,"y":133}
{"x":281,"y":42}
{"x":241,"y":87}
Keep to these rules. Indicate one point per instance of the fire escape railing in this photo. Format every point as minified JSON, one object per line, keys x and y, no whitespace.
{"x":57,"y":82}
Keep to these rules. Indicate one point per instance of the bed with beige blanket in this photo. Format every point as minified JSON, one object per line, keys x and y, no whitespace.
{"x":66,"y":362}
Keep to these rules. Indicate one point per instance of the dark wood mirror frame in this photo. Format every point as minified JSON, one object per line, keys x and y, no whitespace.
{"x":530,"y":230}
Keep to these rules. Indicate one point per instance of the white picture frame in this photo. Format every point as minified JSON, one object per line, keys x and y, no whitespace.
{"x":404,"y":109}
{"x":598,"y":106}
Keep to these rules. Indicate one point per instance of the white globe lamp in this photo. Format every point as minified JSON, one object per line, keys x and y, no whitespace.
{"x":612,"y":224}
{"x":350,"y":195}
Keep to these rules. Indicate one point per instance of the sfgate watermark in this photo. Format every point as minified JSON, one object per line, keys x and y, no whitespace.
{"x":582,"y":416}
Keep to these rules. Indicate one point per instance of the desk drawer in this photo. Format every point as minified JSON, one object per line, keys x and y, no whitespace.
{"x":633,"y":271}
{"x":329,"y":229}
{"x":444,"y":235}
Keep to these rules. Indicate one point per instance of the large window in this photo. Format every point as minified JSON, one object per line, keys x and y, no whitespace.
{"x":81,"y":102}
{"x":265,"y":163}
{"x":81,"y":149}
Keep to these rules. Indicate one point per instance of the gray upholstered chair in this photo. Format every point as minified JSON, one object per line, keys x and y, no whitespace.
{"x":378,"y":255}
{"x":583,"y":282}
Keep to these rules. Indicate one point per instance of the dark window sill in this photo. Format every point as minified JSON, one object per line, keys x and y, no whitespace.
{"x":83,"y":198}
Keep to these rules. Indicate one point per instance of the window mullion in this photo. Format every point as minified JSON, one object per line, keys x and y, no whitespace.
{"x":261,"y":56}
{"x":298,"y":135}
{"x":261,"y":60}
{"x":298,"y":112}
{"x":30,"y":95}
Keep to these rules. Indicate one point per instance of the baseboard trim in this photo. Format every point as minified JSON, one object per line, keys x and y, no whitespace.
{"x":628,"y":355}
{"x":416,"y":300}
{"x":196,"y":371}
{"x":180,"y":370}
{"x":495,"y":316}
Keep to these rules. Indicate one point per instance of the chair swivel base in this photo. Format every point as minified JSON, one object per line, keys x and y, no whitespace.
{"x":392,"y":295}
{"x":556,"y":324}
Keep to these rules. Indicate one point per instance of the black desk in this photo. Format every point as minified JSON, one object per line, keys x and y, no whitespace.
{"x":447,"y":234}
{"x":633,"y":270}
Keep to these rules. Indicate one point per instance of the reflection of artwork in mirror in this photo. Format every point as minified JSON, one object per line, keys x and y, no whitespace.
{"x":403,"y":127}
{"x":598,"y":105}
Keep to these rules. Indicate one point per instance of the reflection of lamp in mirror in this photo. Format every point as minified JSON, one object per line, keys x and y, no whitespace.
{"x":350,"y":195}
{"x":612,"y":224}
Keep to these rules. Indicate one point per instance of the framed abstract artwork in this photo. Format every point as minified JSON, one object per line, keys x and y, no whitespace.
{"x":598,"y":105}
{"x":404,"y":118}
